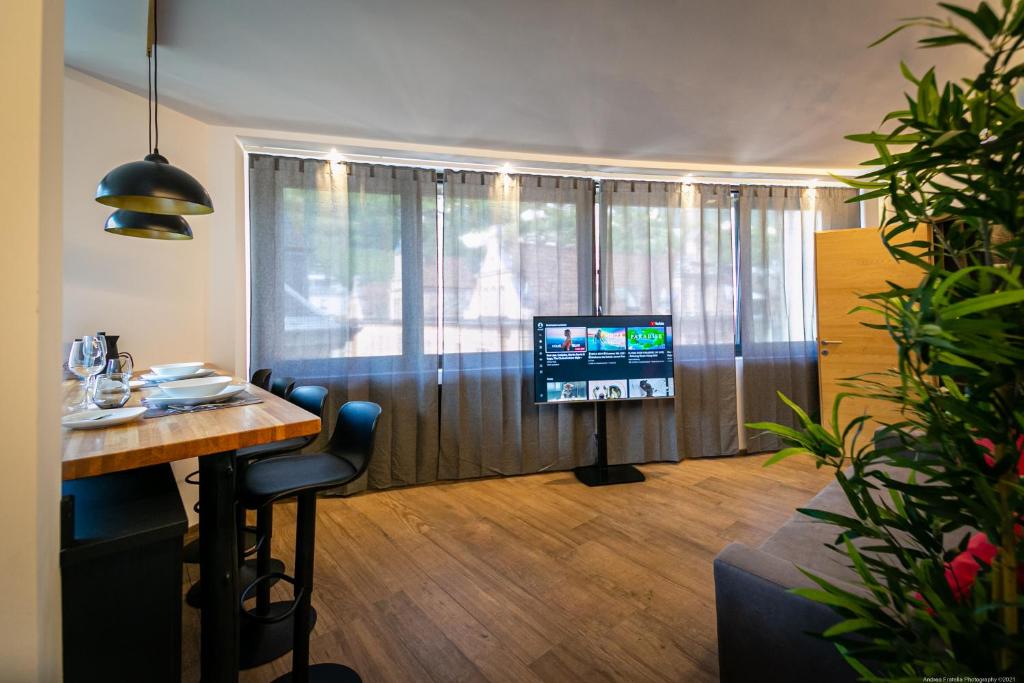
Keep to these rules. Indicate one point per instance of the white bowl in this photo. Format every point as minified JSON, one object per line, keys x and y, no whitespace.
{"x":172,"y":369}
{"x":151,"y":377}
{"x":160,"y":400}
{"x":195,"y":388}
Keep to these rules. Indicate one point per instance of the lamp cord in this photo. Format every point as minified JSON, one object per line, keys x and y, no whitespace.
{"x":156,"y":90}
{"x":149,"y":99}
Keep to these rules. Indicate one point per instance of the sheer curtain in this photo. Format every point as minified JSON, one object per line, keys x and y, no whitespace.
{"x":777,"y":310}
{"x":668,"y":248}
{"x":513,"y":247}
{"x":345,"y":292}
{"x":344,"y":282}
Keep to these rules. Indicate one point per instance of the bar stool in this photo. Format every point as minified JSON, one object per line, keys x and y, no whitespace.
{"x":282,"y":386}
{"x":312,"y":399}
{"x":261,"y":378}
{"x":303,"y":476}
{"x":259,"y":644}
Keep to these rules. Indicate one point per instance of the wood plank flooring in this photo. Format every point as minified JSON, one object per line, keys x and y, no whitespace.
{"x":533,"y":578}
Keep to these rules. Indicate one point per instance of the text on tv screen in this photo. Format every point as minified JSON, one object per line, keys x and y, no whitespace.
{"x":602,"y":358}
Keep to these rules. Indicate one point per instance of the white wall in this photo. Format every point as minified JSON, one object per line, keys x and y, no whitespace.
{"x":226,"y":323}
{"x":31,"y":55}
{"x":151,"y":292}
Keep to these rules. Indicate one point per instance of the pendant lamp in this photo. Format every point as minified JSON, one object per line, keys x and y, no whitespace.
{"x":154,"y":226}
{"x":152,"y":185}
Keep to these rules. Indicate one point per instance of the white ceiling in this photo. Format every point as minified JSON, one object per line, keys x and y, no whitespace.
{"x":702,"y":81}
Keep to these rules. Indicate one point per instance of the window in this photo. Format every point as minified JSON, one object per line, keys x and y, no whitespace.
{"x":360,"y":261}
{"x":513,"y":248}
{"x":343,"y":260}
{"x":668,"y":248}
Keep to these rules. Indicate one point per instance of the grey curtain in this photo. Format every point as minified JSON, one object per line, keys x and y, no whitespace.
{"x":834,"y":210}
{"x":668,"y":248}
{"x":513,"y":247}
{"x":345,"y":289}
{"x":777,"y":312}
{"x":344,"y":278}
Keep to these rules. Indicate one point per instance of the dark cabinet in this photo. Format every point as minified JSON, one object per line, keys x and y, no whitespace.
{"x":121,"y":575}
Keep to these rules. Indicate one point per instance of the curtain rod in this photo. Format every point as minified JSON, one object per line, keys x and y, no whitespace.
{"x":437,"y":165}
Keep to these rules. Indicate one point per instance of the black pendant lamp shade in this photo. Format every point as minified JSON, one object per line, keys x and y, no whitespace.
{"x":152,"y":195}
{"x":153,"y":186}
{"x":152,"y":225}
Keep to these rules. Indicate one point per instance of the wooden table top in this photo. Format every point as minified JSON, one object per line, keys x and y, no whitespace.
{"x":87,"y":453}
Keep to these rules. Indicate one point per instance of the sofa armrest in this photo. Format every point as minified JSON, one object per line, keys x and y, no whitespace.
{"x":764,"y":631}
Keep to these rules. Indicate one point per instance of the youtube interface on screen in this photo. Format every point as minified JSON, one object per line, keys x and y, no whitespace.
{"x":602,"y":358}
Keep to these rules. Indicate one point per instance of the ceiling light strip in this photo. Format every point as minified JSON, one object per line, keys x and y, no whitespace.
{"x":653,"y":174}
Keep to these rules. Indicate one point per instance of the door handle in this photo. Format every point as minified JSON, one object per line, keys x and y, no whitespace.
{"x":831,"y":342}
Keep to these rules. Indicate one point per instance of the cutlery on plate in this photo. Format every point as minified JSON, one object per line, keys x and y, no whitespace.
{"x":192,"y":409}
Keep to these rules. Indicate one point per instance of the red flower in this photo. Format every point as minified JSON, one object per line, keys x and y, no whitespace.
{"x":928,"y":608}
{"x":990,"y":449}
{"x":980,"y":547}
{"x":962,"y":570}
{"x":961,"y":573}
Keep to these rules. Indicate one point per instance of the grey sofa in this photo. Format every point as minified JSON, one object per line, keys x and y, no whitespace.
{"x":764,"y":632}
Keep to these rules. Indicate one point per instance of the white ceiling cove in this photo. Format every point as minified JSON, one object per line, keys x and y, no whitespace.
{"x":709,"y":81}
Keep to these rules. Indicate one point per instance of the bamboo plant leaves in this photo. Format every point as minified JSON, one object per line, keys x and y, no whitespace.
{"x":949,"y":470}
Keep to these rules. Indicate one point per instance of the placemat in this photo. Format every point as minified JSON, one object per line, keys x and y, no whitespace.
{"x":242,"y":399}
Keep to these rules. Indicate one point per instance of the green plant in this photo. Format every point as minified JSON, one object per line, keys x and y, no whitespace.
{"x":937,"y":496}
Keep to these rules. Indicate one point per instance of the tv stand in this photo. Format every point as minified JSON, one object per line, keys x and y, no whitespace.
{"x":601,"y":473}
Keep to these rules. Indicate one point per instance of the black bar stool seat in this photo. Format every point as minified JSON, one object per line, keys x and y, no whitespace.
{"x":261,"y":378}
{"x":273,"y":448}
{"x":310,"y":398}
{"x":282,"y":386}
{"x":291,"y":475}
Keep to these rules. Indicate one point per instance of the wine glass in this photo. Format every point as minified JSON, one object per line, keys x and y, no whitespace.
{"x":102,"y":339}
{"x":87,"y":358}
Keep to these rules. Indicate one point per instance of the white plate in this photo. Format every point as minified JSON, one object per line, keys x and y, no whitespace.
{"x":159,"y":400}
{"x":98,"y":419}
{"x":195,"y":388}
{"x":201,"y":372}
{"x":176,"y":369}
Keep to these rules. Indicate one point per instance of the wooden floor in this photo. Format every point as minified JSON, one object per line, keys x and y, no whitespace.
{"x":533,"y":578}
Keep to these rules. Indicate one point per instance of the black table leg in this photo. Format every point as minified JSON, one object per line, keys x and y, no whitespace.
{"x":218,"y":567}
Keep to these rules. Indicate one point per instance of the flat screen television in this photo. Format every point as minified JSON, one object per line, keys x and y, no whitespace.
{"x":602,"y":358}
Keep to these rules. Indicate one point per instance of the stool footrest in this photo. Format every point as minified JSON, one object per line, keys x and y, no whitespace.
{"x":258,"y":541}
{"x":249,"y":593}
{"x":246,"y":574}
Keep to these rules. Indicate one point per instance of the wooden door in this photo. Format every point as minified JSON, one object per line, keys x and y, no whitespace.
{"x":849,"y":263}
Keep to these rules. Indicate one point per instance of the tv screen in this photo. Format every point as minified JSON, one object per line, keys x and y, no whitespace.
{"x":602,"y":358}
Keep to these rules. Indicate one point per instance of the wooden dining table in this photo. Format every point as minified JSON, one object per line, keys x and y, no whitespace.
{"x":213,"y":436}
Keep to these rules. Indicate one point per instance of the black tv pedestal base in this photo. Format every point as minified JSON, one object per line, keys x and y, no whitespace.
{"x":601,"y":473}
{"x":595,"y":475}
